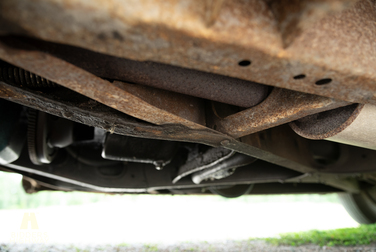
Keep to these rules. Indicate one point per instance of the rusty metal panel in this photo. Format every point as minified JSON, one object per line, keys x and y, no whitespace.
{"x":181,"y":80}
{"x":89,"y":85}
{"x":268,"y":42}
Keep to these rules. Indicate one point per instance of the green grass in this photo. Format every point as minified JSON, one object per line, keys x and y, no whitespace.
{"x":123,"y":244}
{"x":151,"y":247}
{"x":363,"y":235}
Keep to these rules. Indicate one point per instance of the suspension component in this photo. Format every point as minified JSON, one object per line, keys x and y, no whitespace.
{"x":12,"y":131}
{"x":215,"y":163}
{"x":40,"y":151}
{"x":19,"y":76}
{"x":222,"y":169}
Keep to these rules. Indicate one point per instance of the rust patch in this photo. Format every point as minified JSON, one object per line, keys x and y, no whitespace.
{"x":320,"y":39}
{"x":281,"y":106}
{"x":8,"y":93}
{"x":296,"y":16}
{"x":89,"y":85}
{"x":185,"y":81}
{"x":186,"y":107}
{"x":212,"y":10}
{"x":326,"y":124}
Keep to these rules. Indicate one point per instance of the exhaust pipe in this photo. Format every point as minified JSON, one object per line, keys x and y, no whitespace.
{"x":353,"y":125}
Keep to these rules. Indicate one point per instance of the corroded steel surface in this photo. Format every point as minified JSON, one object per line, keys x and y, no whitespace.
{"x":89,"y":85}
{"x":281,"y":106}
{"x":329,"y":123}
{"x":186,"y":107}
{"x":352,"y":125}
{"x":324,"y":39}
{"x":181,"y":80}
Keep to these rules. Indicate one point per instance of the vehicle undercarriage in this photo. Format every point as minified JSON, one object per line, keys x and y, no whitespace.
{"x":191,"y":97}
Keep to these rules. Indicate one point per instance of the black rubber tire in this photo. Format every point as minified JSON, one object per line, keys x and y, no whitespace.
{"x":361,"y":207}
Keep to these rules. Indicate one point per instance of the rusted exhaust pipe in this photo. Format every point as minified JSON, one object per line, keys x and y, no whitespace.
{"x":353,"y":125}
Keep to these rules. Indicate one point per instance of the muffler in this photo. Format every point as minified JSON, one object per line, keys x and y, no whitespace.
{"x":353,"y":125}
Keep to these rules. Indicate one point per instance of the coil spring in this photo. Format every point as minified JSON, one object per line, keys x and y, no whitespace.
{"x":22,"y":77}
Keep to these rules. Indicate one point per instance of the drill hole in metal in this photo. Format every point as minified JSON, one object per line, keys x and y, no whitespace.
{"x":244,"y":63}
{"x":323,"y":81}
{"x":300,"y":76}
